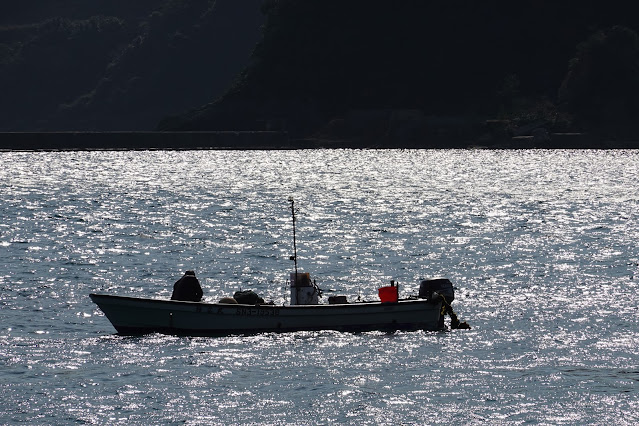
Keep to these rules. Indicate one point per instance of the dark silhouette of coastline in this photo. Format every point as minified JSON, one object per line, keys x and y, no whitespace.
{"x":464,"y":73}
{"x":151,"y":140}
{"x":322,"y":73}
{"x":270,"y":140}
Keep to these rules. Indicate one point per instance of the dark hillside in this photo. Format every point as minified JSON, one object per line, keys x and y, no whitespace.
{"x":187,"y":54}
{"x":366,"y":69}
{"x":45,"y":64}
{"x":116,"y":65}
{"x":23,"y":12}
{"x":327,"y":58}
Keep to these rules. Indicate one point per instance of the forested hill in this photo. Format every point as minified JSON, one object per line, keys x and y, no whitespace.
{"x":118,"y":65}
{"x":320,"y":67}
{"x":570,"y":61}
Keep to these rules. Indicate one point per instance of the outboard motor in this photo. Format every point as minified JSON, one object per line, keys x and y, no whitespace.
{"x":442,"y":286}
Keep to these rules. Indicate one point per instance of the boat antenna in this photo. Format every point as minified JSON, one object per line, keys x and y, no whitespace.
{"x":294,"y":257}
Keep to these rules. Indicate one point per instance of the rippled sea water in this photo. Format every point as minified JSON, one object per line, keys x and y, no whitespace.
{"x":541,"y":245}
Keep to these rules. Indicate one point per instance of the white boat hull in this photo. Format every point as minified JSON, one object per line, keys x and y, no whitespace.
{"x":135,"y":316}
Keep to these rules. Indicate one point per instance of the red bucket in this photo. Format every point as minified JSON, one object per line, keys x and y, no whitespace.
{"x":388,"y":294}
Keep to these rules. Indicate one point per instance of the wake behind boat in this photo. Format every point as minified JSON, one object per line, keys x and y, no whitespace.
{"x":134,"y":316}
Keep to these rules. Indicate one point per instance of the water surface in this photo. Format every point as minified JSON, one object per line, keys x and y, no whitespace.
{"x":541,"y":245}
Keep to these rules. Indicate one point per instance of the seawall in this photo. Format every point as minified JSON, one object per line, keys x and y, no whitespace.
{"x":33,"y":141}
{"x":263,"y":140}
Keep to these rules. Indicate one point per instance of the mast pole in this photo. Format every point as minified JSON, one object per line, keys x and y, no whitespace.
{"x":294,"y":237}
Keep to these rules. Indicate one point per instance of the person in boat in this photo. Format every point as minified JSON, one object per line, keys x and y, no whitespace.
{"x":187,"y":288}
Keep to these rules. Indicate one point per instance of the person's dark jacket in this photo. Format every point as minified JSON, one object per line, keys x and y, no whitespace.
{"x":187,"y":288}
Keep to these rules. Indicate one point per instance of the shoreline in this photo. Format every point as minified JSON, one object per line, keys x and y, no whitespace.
{"x":272,"y":140}
{"x":138,"y":140}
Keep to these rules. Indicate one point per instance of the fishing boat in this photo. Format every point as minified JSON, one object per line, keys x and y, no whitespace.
{"x":135,"y":315}
{"x":425,"y":311}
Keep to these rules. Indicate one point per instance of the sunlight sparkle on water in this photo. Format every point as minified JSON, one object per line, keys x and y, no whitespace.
{"x":541,"y":246}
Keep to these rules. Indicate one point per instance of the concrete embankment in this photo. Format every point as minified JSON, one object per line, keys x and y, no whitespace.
{"x":257,"y":140}
{"x":32,"y":141}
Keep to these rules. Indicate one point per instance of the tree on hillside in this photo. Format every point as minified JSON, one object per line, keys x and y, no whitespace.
{"x":601,"y":89}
